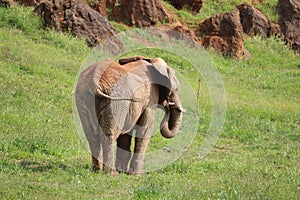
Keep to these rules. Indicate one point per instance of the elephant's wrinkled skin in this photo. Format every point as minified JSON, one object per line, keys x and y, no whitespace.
{"x":113,"y":100}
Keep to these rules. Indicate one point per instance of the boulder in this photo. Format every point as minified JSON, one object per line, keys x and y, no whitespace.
{"x":182,"y":31}
{"x":224,"y":34}
{"x":105,"y":7}
{"x":79,"y":18}
{"x":140,"y":13}
{"x":289,"y":21}
{"x":193,"y":5}
{"x":253,"y":21}
{"x":7,"y":3}
{"x":27,"y":2}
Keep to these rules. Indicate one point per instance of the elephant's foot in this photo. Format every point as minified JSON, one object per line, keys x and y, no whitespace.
{"x":110,"y":171}
{"x":121,"y":169}
{"x":136,"y":169}
{"x":96,"y":165}
{"x":122,"y":161}
{"x":135,"y":173}
{"x":136,"y":165}
{"x":96,"y":168}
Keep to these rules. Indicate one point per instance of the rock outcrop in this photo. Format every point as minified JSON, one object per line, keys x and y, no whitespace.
{"x":224,"y":34}
{"x":289,"y":21}
{"x":140,"y":13}
{"x":79,"y":18}
{"x":7,"y":3}
{"x":253,"y":21}
{"x":104,"y":7}
{"x":143,"y":13}
{"x":193,"y":5}
{"x":182,"y":32}
{"x":27,"y":2}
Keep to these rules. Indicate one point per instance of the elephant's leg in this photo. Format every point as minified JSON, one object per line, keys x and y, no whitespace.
{"x":137,"y":161}
{"x":108,"y":155}
{"x":123,"y":152}
{"x":95,"y":147}
{"x":91,"y":130}
{"x":144,"y":130}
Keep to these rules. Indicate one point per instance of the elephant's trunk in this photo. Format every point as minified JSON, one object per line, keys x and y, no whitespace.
{"x":173,"y":118}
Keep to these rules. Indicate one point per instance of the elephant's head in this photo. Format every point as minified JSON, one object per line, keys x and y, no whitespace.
{"x":168,"y":98}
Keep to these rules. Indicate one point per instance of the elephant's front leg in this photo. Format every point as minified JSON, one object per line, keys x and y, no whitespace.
{"x":144,"y":130}
{"x":123,"y":152}
{"x":108,"y":155}
{"x":137,"y":161}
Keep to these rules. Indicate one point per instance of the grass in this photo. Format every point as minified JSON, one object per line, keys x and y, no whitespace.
{"x":256,"y":157}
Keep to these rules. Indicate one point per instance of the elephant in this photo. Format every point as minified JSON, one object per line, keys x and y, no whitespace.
{"x":115,"y":100}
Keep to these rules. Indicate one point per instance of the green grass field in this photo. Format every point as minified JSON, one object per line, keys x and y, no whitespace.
{"x":256,"y":157}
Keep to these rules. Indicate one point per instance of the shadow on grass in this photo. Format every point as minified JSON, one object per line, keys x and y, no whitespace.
{"x":42,"y":166}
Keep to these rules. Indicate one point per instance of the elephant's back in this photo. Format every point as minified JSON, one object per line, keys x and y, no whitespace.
{"x":99,"y":75}
{"x":110,"y":77}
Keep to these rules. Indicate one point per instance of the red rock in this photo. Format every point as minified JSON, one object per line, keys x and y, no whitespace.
{"x":19,"y":2}
{"x":253,"y":21}
{"x":79,"y":18}
{"x":224,"y":34}
{"x":27,"y":2}
{"x":7,"y":3}
{"x":140,"y":13}
{"x":182,"y":31}
{"x":289,"y":21}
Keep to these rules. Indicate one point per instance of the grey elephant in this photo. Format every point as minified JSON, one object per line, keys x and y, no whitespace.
{"x":115,"y":100}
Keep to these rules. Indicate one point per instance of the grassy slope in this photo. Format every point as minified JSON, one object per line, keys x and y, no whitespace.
{"x":256,"y":157}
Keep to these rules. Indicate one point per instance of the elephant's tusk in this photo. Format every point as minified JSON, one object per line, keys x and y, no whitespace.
{"x":182,"y":110}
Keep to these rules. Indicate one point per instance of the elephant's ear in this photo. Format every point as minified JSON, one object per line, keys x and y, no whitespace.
{"x":161,"y":77}
{"x":124,"y":61}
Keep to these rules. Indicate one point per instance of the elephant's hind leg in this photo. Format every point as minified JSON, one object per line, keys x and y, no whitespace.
{"x":91,"y":130}
{"x":95,"y":147}
{"x":123,"y":152}
{"x":108,"y":155}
